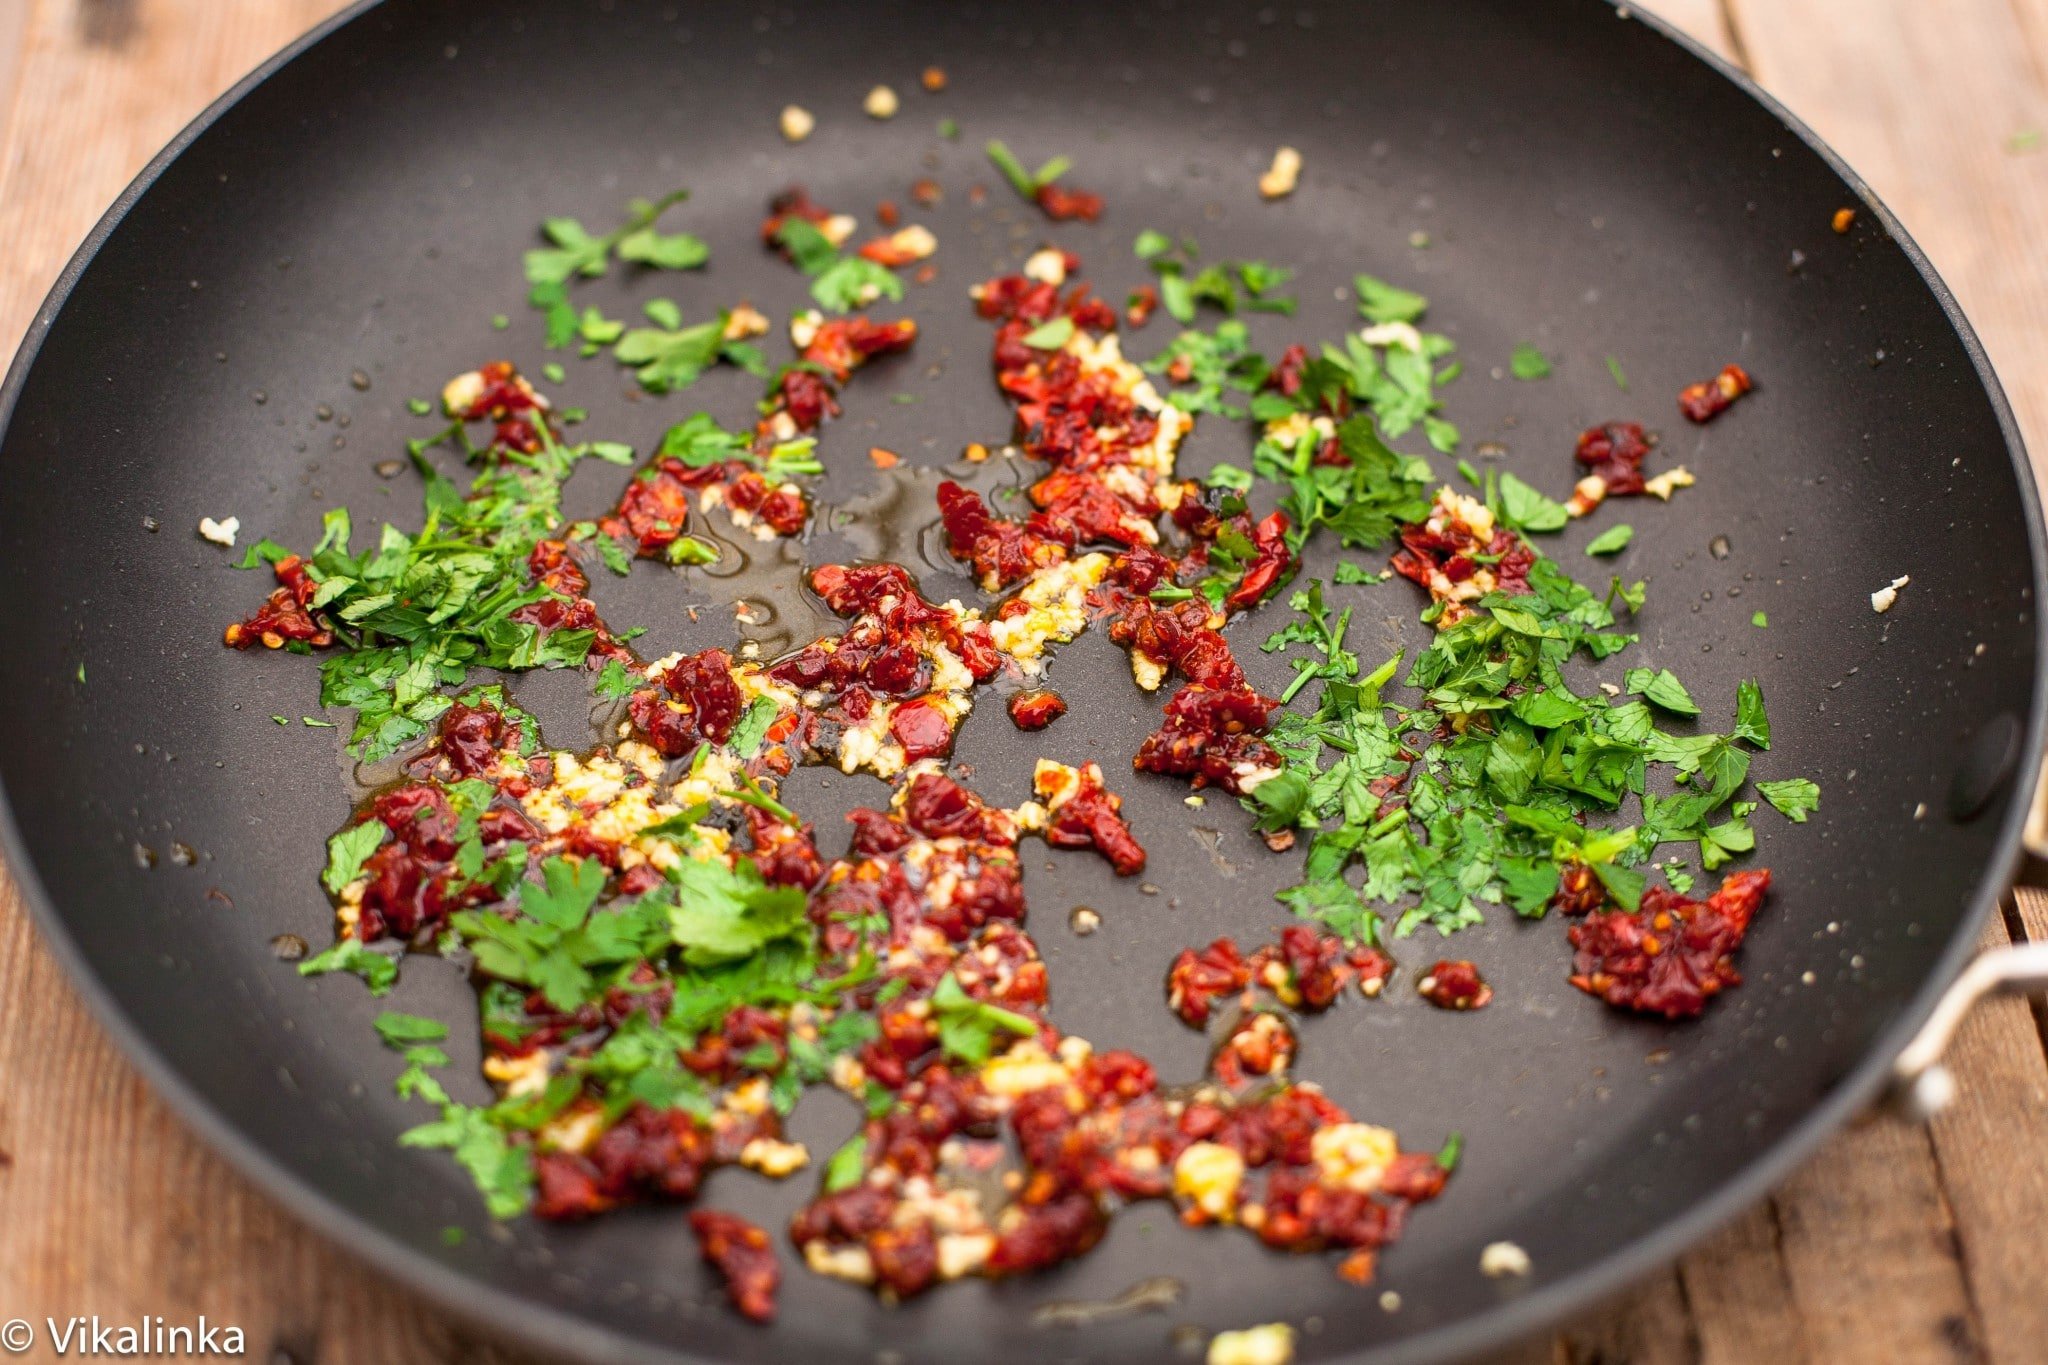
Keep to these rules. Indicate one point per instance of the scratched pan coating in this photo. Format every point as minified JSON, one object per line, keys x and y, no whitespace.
{"x":1586,"y":182}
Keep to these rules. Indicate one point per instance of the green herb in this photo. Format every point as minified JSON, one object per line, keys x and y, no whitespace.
{"x":499,"y":322}
{"x":574,"y":253}
{"x":1528,"y":363}
{"x":418,"y":407}
{"x":553,"y":373}
{"x":1661,"y":688}
{"x":1050,"y":336}
{"x":854,"y":282}
{"x":752,"y":727}
{"x":665,"y":359}
{"x":1751,"y":723}
{"x":846,"y":1166}
{"x":968,"y":1027}
{"x":615,"y":681}
{"x":1026,"y":183}
{"x":347,"y":851}
{"x":1448,"y":1154}
{"x":1525,"y":509}
{"x":726,"y":913}
{"x":562,"y":941}
{"x":1185,"y":284}
{"x":1611,"y":541}
{"x":1379,"y":301}
{"x":503,"y":1171}
{"x":949,"y":129}
{"x":1795,"y":797}
{"x":412,"y":613}
{"x":1151,"y":244}
{"x":839,"y":283}
{"x":1620,"y":377}
{"x":379,"y":972}
{"x":1760,"y":620}
{"x":403,"y":1030}
{"x":1314,"y":627}
{"x":281,"y":720}
{"x":1215,"y":363}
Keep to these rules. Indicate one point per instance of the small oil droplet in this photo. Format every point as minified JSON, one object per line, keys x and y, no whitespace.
{"x":288,"y":947}
{"x":145,"y":856}
{"x":1719,"y":547}
{"x":184,"y":855}
{"x":1084,"y":920}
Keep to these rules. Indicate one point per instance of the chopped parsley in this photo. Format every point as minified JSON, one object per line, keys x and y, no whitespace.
{"x":1185,"y":284}
{"x":1529,"y":363}
{"x":968,"y":1027}
{"x":1027,"y":184}
{"x":1611,"y":541}
{"x":669,"y":356}
{"x":573,"y":252}
{"x":1379,"y":301}
{"x":1795,"y":797}
{"x":839,"y":283}
{"x":378,"y":971}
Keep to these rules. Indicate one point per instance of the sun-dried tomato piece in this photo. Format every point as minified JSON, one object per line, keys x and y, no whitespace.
{"x":1085,"y":814}
{"x":284,"y":615}
{"x":743,"y":1257}
{"x":1062,"y":205}
{"x":1705,"y":401}
{"x":1035,"y":708}
{"x":1672,"y":954}
{"x":471,"y":737}
{"x":1200,"y":978}
{"x":1455,"y":984}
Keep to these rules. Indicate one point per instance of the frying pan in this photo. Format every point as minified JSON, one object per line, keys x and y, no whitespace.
{"x":1585,"y":180}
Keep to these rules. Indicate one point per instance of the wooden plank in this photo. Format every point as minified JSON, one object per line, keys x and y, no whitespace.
{"x":1855,"y":1260}
{"x":103,"y":85}
{"x":1868,"y":1243}
{"x":1990,"y":1144}
{"x":1924,"y":101}
{"x":109,"y":1205}
{"x":112,"y":1207}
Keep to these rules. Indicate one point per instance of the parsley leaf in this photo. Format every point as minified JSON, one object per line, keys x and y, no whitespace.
{"x":1795,"y":797}
{"x":1379,"y":301}
{"x":403,"y":1030}
{"x":968,"y":1027}
{"x":502,"y":1170}
{"x":1525,"y":509}
{"x":1026,"y":183}
{"x":1662,"y":688}
{"x":1611,"y":541}
{"x":1751,"y":721}
{"x":727,"y":913}
{"x":671,"y":358}
{"x":844,"y":1169}
{"x":1052,"y":334}
{"x":1529,"y":363}
{"x":378,"y":971}
{"x":347,"y":851}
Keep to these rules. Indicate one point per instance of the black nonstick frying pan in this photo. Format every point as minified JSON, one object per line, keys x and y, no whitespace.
{"x":1586,"y":181}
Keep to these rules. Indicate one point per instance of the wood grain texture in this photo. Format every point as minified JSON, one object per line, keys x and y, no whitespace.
{"x":1898,"y":1243}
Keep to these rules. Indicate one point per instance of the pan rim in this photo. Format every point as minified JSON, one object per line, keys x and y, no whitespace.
{"x":503,"y":1314}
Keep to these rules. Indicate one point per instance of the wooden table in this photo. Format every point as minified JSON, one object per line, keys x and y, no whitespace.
{"x":1899,"y":1242}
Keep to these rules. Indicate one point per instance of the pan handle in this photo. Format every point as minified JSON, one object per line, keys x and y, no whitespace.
{"x":1921,"y":1085}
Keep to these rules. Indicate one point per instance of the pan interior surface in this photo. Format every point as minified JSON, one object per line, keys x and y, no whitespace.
{"x":1581,"y":182}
